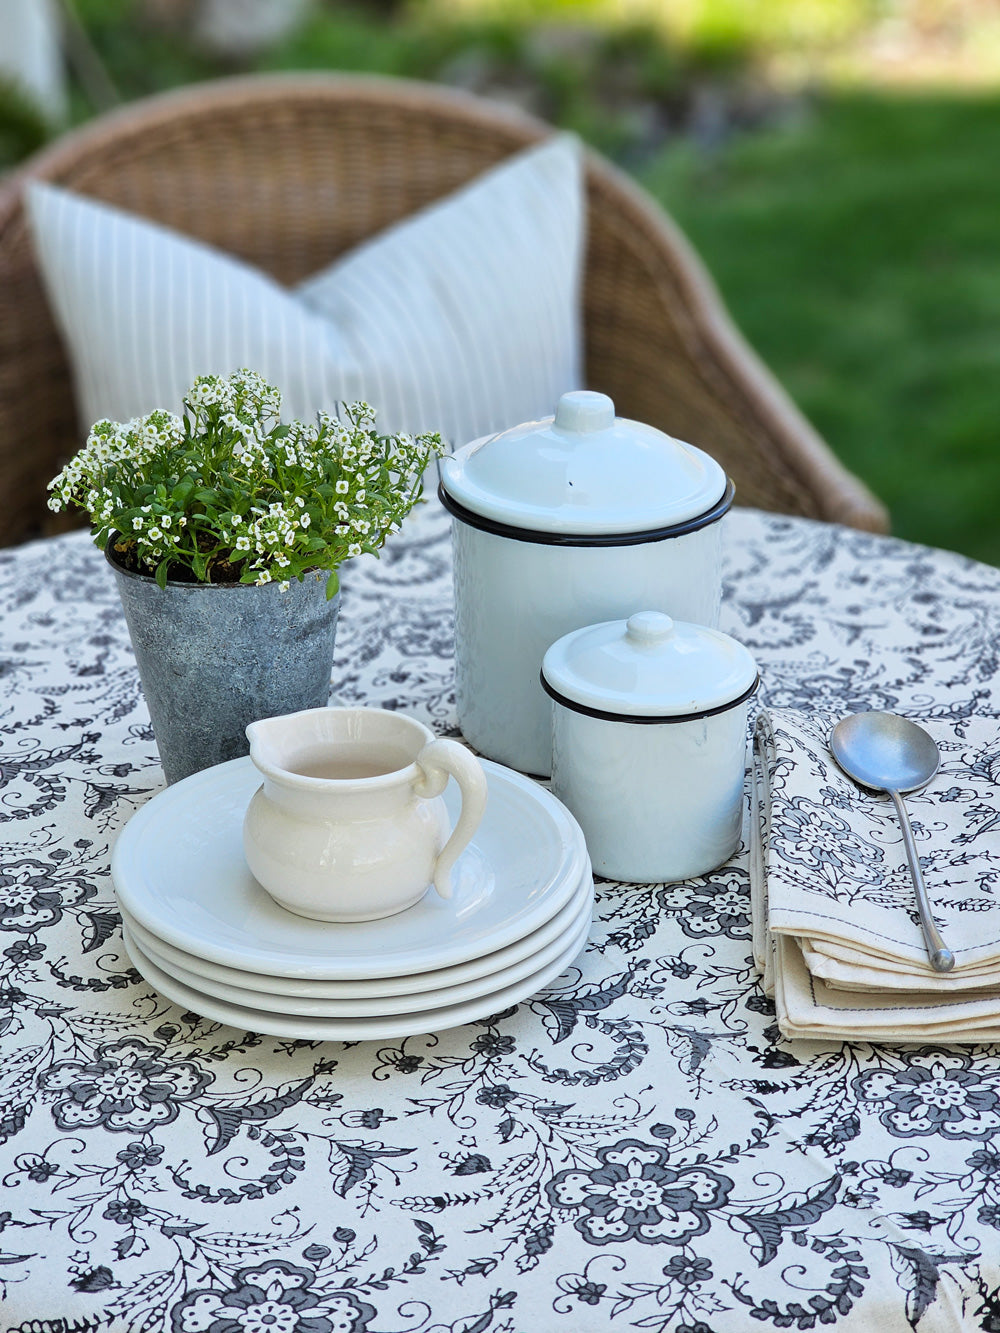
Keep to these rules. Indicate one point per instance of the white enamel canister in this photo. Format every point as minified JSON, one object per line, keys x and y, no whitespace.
{"x":649,"y":730}
{"x":560,"y":523}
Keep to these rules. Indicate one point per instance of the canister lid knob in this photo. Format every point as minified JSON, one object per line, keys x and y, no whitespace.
{"x":648,"y":627}
{"x":585,"y":411}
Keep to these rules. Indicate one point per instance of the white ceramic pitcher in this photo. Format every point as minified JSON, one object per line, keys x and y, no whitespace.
{"x":349,"y":824}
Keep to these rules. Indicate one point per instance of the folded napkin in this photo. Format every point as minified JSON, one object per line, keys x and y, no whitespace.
{"x":835,"y":928}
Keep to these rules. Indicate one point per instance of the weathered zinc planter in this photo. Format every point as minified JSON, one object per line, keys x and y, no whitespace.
{"x":229,"y":492}
{"x":214,"y":657}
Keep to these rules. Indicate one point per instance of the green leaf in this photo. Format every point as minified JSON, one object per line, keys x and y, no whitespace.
{"x":332,"y":585}
{"x":199,"y":481}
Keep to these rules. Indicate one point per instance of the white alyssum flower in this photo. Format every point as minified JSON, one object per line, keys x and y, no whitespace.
{"x":228,"y":489}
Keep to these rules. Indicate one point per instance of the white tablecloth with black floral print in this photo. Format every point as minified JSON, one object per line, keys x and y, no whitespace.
{"x":636,"y":1149}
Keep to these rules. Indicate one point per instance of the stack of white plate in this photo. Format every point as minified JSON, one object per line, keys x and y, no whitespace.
{"x":202,"y":931}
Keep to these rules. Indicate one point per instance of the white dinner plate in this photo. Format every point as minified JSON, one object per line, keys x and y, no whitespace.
{"x":375,"y":1006}
{"x":345,"y":1029}
{"x":417,"y":983}
{"x":179,"y":870}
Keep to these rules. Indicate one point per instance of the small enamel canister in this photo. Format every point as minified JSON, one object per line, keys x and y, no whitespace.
{"x":649,"y":723}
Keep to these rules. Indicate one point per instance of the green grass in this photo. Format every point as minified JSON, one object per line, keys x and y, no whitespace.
{"x":858,"y":247}
{"x":859,"y":251}
{"x":23,"y":127}
{"x":587,"y":88}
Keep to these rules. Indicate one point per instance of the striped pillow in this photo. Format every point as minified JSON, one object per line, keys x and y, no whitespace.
{"x":464,"y":318}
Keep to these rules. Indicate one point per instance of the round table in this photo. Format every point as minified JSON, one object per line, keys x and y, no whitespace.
{"x":634,"y":1148}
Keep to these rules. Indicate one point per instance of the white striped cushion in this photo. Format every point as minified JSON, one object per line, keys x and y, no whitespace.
{"x":464,"y":318}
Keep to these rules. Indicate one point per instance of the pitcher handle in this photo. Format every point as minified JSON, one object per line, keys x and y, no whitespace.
{"x":438,"y":761}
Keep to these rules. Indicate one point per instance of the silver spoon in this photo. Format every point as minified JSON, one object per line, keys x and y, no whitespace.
{"x":892,"y":754}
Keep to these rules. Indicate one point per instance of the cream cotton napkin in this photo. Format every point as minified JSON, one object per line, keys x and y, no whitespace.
{"x":835,"y":929}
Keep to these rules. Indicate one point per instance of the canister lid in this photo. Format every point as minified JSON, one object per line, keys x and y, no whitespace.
{"x":583,"y":471}
{"x":649,"y":666}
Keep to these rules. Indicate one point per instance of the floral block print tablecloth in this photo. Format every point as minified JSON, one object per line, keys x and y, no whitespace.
{"x":636,"y":1148}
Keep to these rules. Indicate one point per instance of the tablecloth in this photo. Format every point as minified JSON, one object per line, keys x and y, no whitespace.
{"x":635,"y":1148}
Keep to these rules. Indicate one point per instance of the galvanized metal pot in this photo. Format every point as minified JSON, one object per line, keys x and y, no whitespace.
{"x":214,"y":657}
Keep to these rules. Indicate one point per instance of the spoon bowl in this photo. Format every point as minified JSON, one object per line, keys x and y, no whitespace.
{"x":884,"y":751}
{"x":892,"y":754}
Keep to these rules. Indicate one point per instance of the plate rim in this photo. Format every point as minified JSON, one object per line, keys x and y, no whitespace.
{"x":426,"y":1022}
{"x":438,"y":997}
{"x":374,"y":987}
{"x":124,"y":856}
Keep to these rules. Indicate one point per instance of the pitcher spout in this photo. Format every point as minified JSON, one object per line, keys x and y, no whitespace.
{"x":268,"y":739}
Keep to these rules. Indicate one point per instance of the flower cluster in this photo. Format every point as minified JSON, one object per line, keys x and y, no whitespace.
{"x":230,"y":494}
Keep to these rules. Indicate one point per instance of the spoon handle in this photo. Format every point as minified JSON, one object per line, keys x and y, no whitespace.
{"x":942,"y":958}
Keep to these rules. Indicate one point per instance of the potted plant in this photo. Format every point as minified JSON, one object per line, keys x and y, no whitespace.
{"x":225,"y":529}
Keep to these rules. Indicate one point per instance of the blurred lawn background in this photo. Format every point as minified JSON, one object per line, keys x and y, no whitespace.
{"x":835,"y":162}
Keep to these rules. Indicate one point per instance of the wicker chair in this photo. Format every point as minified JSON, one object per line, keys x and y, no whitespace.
{"x":289,"y":171}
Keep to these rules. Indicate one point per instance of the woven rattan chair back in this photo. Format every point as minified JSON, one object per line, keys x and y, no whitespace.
{"x":289,"y":171}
